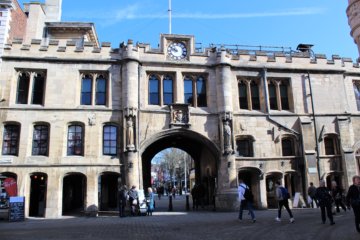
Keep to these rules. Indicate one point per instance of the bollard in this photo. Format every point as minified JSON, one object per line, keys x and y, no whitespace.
{"x":170,"y":203}
{"x":187,"y":203}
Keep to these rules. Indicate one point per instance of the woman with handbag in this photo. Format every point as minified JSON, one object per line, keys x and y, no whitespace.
{"x":353,"y":199}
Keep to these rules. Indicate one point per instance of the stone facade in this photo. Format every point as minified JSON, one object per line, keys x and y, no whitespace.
{"x":80,"y":118}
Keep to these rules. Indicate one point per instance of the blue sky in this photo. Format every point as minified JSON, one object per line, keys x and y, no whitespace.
{"x":247,"y":22}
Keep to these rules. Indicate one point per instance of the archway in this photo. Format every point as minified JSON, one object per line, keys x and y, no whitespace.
{"x":74,"y":193}
{"x":38,"y":186}
{"x":108,"y":191}
{"x":204,"y":153}
{"x":251,"y":177}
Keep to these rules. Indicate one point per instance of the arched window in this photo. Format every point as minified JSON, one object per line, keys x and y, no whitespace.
{"x":201,"y":91}
{"x":272,"y":96}
{"x":243,"y":99}
{"x":110,"y":139}
{"x":11,"y":139}
{"x":255,"y":97}
{"x":23,"y":88}
{"x":287,"y":145}
{"x":154,"y":98}
{"x":40,"y":144}
{"x":331,"y":145}
{"x":75,"y":143}
{"x":86,"y":90}
{"x":168,"y":90}
{"x":188,"y":91}
{"x":100,"y":97}
{"x":244,"y":146}
{"x":195,"y":91}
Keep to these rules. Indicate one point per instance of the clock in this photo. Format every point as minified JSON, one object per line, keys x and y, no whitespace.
{"x":177,"y":51}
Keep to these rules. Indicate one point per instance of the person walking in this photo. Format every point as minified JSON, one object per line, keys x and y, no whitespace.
{"x":282,"y":197}
{"x":311,"y":193}
{"x":195,"y":196}
{"x":133,"y":200}
{"x":325,"y":202}
{"x":353,"y":199}
{"x":150,"y":202}
{"x":123,"y":194}
{"x":337,"y":194}
{"x":246,"y":200}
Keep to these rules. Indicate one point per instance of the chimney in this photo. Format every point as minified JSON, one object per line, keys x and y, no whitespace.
{"x":53,"y":10}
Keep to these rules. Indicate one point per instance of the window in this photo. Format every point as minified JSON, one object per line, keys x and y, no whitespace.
{"x":154,"y":90}
{"x":195,"y":91}
{"x":11,"y":139}
{"x":249,"y":93}
{"x":100,"y":97}
{"x":330,"y":143}
{"x":40,"y":140}
{"x":279,"y":94}
{"x":110,"y":140}
{"x":94,"y":89}
{"x":33,"y":82}
{"x":75,"y":144}
{"x":357,"y":94}
{"x":161,"y":89}
{"x":243,"y":96}
{"x":168,"y":90}
{"x":287,"y":147}
{"x":244,"y":146}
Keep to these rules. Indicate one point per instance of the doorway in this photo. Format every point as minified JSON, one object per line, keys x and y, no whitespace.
{"x":38,"y":186}
{"x":74,"y":193}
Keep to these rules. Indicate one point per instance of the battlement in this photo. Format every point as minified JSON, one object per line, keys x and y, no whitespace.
{"x":88,"y":50}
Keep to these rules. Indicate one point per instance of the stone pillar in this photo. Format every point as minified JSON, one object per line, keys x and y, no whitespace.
{"x":227,"y":177}
{"x":54,"y":196}
{"x":263,"y":193}
{"x":92,"y":202}
{"x":130,"y":92}
{"x":347,"y":142}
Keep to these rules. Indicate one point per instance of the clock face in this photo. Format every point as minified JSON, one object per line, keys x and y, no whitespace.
{"x":177,"y":51}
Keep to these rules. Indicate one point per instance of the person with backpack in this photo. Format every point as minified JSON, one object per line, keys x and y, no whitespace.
{"x":282,"y":196}
{"x":353,"y":199}
{"x":325,"y":202}
{"x":246,"y":199}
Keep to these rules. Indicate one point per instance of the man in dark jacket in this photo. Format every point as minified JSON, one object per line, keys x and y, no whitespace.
{"x":353,"y":198}
{"x":123,"y":194}
{"x":325,"y":202}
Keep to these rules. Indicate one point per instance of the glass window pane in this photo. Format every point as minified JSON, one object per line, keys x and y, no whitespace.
{"x":188,"y":91}
{"x":154,"y":90}
{"x":243,"y":96}
{"x":168,"y":90}
{"x":38,"y":89}
{"x":284,"y":97}
{"x":272,"y":96}
{"x":75,"y":140}
{"x":110,"y":140}
{"x":40,"y":140}
{"x":100,"y":98}
{"x":201,"y":92}
{"x":255,"y":97}
{"x":11,"y":139}
{"x":23,"y":89}
{"x":86,"y":91}
{"x":357,"y":95}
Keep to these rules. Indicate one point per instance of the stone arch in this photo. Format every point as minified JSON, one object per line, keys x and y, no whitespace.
{"x":202,"y":150}
{"x":74,"y":193}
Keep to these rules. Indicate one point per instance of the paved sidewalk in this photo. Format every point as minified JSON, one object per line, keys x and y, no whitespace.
{"x":202,"y":224}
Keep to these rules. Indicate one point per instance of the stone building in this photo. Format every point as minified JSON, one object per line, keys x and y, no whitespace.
{"x":80,"y":118}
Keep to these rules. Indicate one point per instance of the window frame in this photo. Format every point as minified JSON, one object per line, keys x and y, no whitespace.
{"x":249,"y":140}
{"x":199,"y":98}
{"x":12,"y":142}
{"x":110,"y":125}
{"x":43,"y":126}
{"x":82,"y":140}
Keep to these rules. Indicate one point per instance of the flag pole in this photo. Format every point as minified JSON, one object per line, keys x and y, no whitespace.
{"x":169,"y":16}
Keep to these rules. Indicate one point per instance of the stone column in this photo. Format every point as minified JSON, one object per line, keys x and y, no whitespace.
{"x":92,"y":202}
{"x":130,"y":98}
{"x":263,"y":194}
{"x":227,"y":177}
{"x":54,"y":195}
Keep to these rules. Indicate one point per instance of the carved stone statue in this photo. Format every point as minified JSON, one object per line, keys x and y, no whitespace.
{"x":227,"y":137}
{"x":129,"y":134}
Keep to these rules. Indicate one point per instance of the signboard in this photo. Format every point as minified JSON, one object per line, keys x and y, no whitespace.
{"x":10,"y":187}
{"x":16,"y":209}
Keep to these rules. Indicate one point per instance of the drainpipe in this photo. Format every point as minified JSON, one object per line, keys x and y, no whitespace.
{"x":315,"y":129}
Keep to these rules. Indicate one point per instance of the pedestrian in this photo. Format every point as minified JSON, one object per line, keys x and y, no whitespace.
{"x":133,"y":200}
{"x":150,"y":202}
{"x":353,"y":199}
{"x":282,"y":197}
{"x":246,"y":200}
{"x":337,"y":194}
{"x":325,"y":202}
{"x":194,"y":195}
{"x":123,"y":195}
{"x":311,"y":194}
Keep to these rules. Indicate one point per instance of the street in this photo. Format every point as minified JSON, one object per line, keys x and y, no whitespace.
{"x":179,"y":224}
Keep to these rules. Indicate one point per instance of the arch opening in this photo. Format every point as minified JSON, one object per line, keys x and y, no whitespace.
{"x":38,"y":188}
{"x":74,"y":194}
